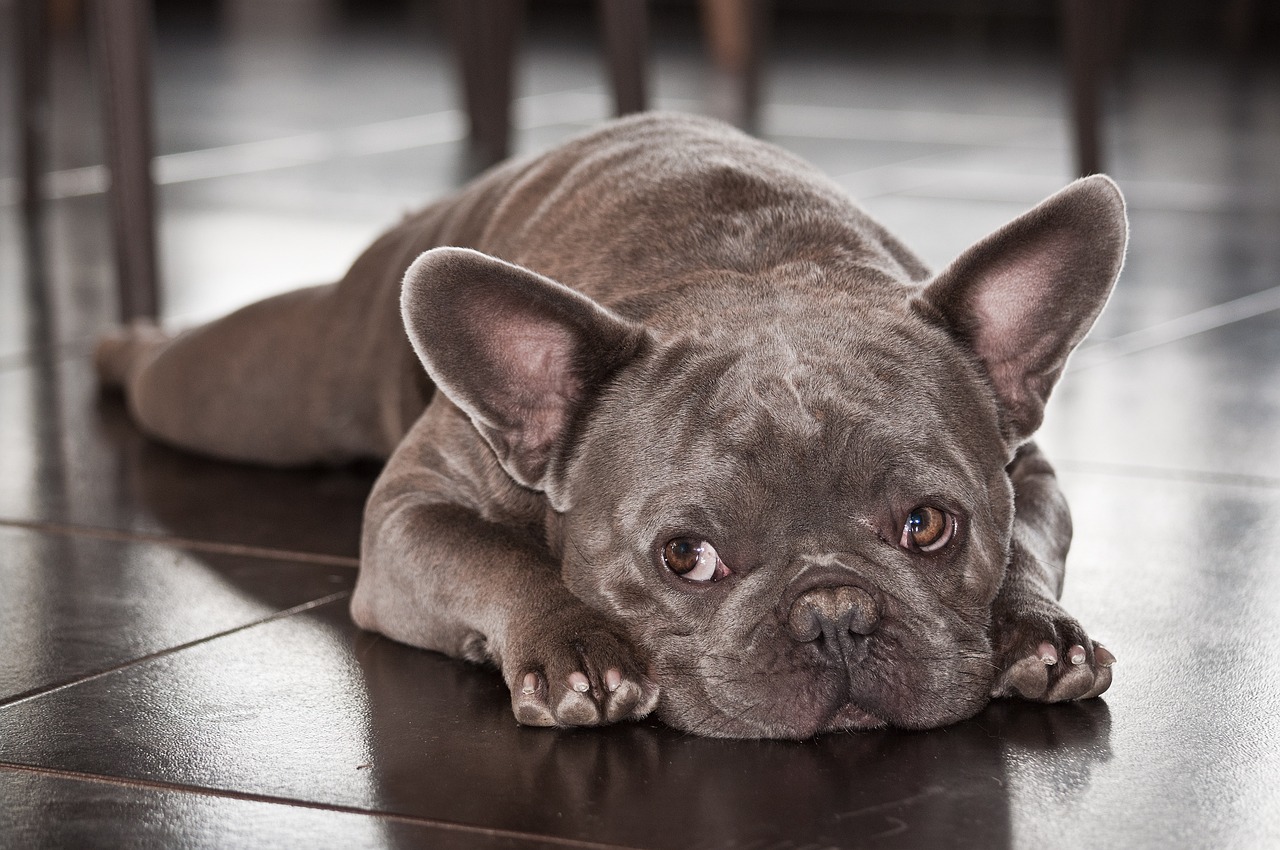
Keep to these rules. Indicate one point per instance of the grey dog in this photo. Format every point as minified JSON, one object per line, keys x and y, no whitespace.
{"x":694,"y":435}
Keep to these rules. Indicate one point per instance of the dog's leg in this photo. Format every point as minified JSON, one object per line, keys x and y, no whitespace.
{"x":1041,"y":651}
{"x":305,"y":377}
{"x":439,"y":571}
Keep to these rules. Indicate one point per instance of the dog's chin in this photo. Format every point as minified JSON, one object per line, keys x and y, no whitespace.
{"x":799,"y":722}
{"x":796,"y":724}
{"x":813,"y":707}
{"x":851,"y":717}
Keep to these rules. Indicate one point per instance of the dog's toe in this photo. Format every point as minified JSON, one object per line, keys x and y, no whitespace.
{"x":1086,"y":676}
{"x":631,"y":698}
{"x":1103,"y":659}
{"x":1045,"y":655}
{"x":1027,"y":678}
{"x":1073,"y":684}
{"x":577,"y":708}
{"x":529,"y":702}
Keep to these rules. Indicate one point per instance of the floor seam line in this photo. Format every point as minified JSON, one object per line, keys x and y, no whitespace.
{"x":210,"y":546}
{"x":441,"y":126}
{"x":248,"y":796}
{"x":59,"y":352}
{"x":1236,"y":479}
{"x":1183,"y":327}
{"x":45,"y":690}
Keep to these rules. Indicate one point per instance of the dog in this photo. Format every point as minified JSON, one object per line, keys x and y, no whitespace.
{"x":671,"y":425}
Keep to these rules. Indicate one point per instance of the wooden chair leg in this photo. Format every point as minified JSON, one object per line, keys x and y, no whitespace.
{"x":1238,"y":26}
{"x":32,"y":30}
{"x":1084,"y":30}
{"x":758,"y":13}
{"x":124,"y":55}
{"x":30,"y":26}
{"x":625,"y":25}
{"x":736,"y":34}
{"x":485,"y":40}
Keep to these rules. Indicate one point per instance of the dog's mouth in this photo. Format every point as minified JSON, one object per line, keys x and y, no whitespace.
{"x":789,"y":698}
{"x":802,"y":719}
{"x":798,"y":707}
{"x":796,"y":723}
{"x":912,"y":671}
{"x":852,"y":717}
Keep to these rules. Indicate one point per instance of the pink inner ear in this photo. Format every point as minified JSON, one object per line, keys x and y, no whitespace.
{"x":535,"y":362}
{"x":1017,"y":335}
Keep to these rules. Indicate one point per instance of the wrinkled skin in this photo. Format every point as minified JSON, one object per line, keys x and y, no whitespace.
{"x":788,"y":467}
{"x":705,"y":440}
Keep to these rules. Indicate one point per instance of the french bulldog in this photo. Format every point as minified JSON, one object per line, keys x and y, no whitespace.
{"x":671,"y":425}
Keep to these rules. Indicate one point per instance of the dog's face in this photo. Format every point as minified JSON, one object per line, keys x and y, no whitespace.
{"x":790,"y":487}
{"x":815,"y":514}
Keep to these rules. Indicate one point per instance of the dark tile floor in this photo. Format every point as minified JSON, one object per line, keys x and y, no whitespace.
{"x":177,"y":667}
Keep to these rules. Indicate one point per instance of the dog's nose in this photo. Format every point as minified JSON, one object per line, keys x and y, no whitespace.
{"x":832,"y":612}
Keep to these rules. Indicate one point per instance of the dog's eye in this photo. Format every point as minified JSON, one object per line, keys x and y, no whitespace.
{"x":694,"y":559}
{"x":927,"y":529}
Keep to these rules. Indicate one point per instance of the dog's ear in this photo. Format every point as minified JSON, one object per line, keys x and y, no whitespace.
{"x":1022,"y":298}
{"x":518,"y":352}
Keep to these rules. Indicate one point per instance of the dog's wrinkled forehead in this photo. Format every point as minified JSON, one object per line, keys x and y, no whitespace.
{"x":795,"y":415}
{"x":802,"y":380}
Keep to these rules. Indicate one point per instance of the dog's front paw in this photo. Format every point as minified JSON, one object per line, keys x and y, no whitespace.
{"x":577,"y":671}
{"x":1042,"y":653}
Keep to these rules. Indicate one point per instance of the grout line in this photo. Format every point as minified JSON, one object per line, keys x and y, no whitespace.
{"x":44,"y":690}
{"x":781,"y":120}
{"x":846,"y":123}
{"x":892,"y":178}
{"x":433,"y":128}
{"x":448,"y":126}
{"x":1201,"y":321}
{"x":588,"y":105}
{"x":80,"y":346}
{"x":17,"y":360}
{"x":99,"y":533}
{"x":921,"y":179}
{"x":251,"y":797}
{"x":1194,"y":476}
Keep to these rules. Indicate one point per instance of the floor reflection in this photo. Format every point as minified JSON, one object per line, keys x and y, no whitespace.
{"x":896,"y":788}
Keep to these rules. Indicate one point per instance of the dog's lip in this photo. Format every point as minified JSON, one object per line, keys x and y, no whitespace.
{"x":848,"y":717}
{"x":852,"y":716}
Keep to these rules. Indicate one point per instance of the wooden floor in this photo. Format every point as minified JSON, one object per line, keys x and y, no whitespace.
{"x":177,"y":666}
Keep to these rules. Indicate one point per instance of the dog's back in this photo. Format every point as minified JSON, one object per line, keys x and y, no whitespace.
{"x":326,"y":374}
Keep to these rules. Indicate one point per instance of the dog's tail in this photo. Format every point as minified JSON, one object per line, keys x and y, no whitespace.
{"x":122,"y":352}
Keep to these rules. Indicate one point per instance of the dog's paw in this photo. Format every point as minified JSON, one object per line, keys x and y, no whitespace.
{"x":1042,"y":653}
{"x":579,"y":672}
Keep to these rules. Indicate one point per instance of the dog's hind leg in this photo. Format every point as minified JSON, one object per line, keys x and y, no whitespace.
{"x":310,"y":376}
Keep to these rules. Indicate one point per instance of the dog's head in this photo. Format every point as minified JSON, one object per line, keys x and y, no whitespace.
{"x":790,"y":488}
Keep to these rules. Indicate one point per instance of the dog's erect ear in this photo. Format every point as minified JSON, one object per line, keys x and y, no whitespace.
{"x":1022,"y":298}
{"x":518,"y":352}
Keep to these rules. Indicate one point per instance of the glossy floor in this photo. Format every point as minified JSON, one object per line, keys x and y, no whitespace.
{"x":177,"y":667}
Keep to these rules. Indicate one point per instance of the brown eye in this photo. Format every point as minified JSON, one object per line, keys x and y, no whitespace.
{"x":694,"y":559}
{"x":927,"y":529}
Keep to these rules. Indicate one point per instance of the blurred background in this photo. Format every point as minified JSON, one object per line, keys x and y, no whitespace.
{"x":287,"y":133}
{"x":182,"y":622}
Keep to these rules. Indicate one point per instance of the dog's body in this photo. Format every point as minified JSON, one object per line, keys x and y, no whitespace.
{"x":756,"y":469}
